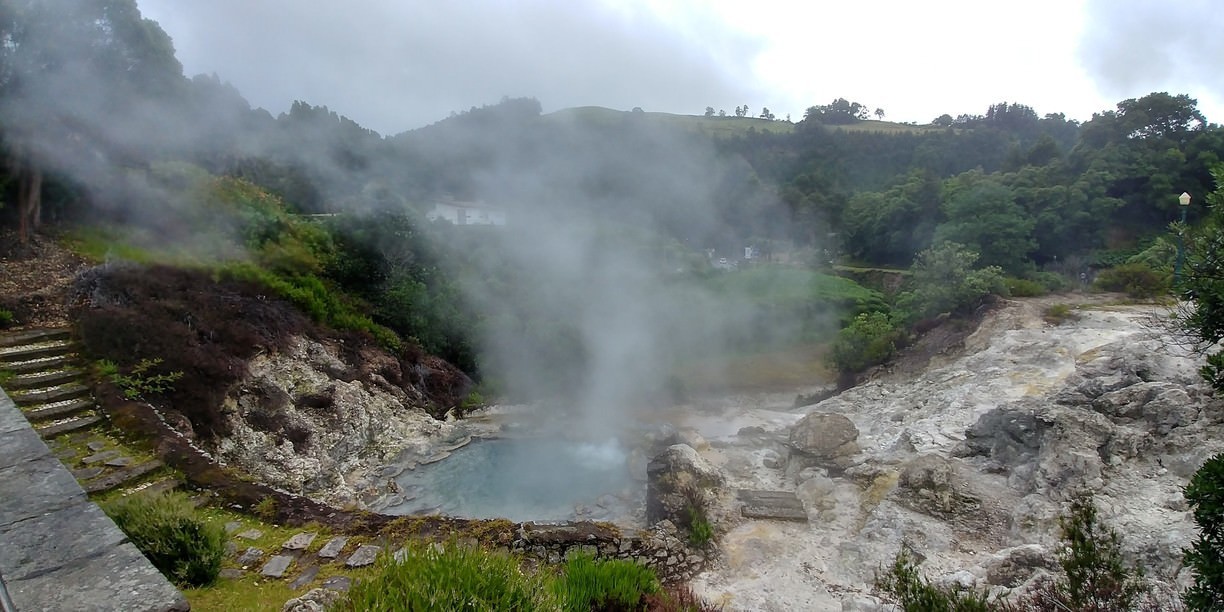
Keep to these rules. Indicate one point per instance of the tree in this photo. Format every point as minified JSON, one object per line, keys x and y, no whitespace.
{"x":709,"y":111}
{"x":722,"y":113}
{"x":1205,"y":557}
{"x":944,"y":120}
{"x":1202,"y":316}
{"x":986,"y":218}
{"x":879,"y":113}
{"x":943,"y":279}
{"x":765,"y":114}
{"x":741,"y":111}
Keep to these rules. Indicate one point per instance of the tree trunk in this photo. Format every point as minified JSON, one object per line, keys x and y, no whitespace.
{"x":29,"y":201}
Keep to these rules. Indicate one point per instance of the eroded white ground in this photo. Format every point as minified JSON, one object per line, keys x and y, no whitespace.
{"x":858,"y":519}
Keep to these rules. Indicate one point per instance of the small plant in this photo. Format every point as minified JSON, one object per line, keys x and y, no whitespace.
{"x":1205,"y":557}
{"x":6,"y":318}
{"x":180,"y":543}
{"x":1057,"y":314}
{"x":6,"y":376}
{"x":1096,"y":578}
{"x":915,"y":594}
{"x":266,"y":509}
{"x":452,"y":577}
{"x":140,"y":384}
{"x":106,"y":368}
{"x":696,"y":520}
{"x":610,"y":584}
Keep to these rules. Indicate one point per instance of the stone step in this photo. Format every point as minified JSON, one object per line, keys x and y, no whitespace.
{"x":155,"y":487}
{"x":126,"y":476}
{"x":38,"y":364}
{"x":34,"y":380}
{"x":49,"y":394}
{"x":58,"y":410}
{"x":31,"y":351}
{"x":64,"y":427}
{"x":31,"y":336}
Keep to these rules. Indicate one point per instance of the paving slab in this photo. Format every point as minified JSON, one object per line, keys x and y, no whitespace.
{"x":96,"y":445}
{"x":276,"y":566}
{"x":36,"y":487}
{"x":250,"y":557}
{"x":55,"y":539}
{"x":119,"y":462}
{"x":777,"y":505}
{"x":300,"y":541}
{"x":100,"y":457}
{"x":338,"y":583}
{"x":305,"y":577}
{"x":87,"y":473}
{"x":365,"y":555}
{"x":21,"y":446}
{"x":11,"y":418}
{"x":251,"y":534}
{"x":121,"y":579}
{"x":333,"y":547}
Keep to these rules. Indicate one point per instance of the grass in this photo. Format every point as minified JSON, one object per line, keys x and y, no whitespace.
{"x":784,"y":368}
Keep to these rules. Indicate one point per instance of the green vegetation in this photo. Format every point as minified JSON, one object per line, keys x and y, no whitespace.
{"x":914,"y":593}
{"x":1057,"y":314}
{"x":6,"y":318}
{"x":1135,"y":279}
{"x":452,"y":577}
{"x":944,"y":281}
{"x":1205,"y":494}
{"x":589,"y":584}
{"x":1094,"y":576}
{"x":139,"y":382}
{"x":696,"y":519}
{"x":179,"y":542}
{"x":870,"y":339}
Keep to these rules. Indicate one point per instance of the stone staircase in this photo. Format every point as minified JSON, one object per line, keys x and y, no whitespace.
{"x":41,"y":371}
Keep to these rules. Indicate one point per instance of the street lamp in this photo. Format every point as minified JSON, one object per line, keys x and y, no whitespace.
{"x":1184,"y":200}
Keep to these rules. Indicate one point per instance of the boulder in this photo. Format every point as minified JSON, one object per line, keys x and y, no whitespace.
{"x":1013,"y":567}
{"x":674,"y":480}
{"x":929,"y":484}
{"x":824,"y":435}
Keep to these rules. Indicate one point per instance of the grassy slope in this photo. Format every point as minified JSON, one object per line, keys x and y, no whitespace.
{"x":720,"y":126}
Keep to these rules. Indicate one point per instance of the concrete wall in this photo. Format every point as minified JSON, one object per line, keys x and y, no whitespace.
{"x":58,"y":551}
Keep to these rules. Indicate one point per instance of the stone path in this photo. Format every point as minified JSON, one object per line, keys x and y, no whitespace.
{"x":294,"y":562}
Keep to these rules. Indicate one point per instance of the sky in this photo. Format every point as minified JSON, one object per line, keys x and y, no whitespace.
{"x":395,"y":65}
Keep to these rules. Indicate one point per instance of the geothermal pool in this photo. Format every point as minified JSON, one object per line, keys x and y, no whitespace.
{"x":523,"y":479}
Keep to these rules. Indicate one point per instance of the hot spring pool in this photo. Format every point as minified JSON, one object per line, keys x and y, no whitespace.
{"x":525,"y":479}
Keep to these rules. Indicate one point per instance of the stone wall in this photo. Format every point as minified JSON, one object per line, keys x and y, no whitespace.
{"x":58,"y":551}
{"x":660,"y":547}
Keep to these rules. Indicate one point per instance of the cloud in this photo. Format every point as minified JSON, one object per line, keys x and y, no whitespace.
{"x":394,"y":65}
{"x":1134,"y":47}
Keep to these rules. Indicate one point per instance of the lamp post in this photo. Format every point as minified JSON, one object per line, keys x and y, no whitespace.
{"x":1184,"y":201}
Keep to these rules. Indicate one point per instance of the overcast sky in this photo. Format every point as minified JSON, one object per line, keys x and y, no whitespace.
{"x":394,"y":65}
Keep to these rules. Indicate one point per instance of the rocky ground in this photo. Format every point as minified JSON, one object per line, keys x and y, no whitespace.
{"x":967,"y":462}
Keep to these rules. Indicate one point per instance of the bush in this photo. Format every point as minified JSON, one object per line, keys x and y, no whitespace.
{"x":1096,"y":579}
{"x":1058,"y":314}
{"x":944,"y":280}
{"x":452,"y":577}
{"x":1023,"y":287}
{"x":915,"y":594}
{"x":870,"y":339}
{"x":181,"y":544}
{"x":1135,"y":279}
{"x":6,"y":318}
{"x":1205,"y":557}
{"x":1052,"y":281}
{"x":588,"y":584}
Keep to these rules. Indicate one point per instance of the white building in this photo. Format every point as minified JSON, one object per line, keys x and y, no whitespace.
{"x":466,"y":213}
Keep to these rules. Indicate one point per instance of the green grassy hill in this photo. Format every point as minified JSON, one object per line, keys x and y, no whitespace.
{"x":719,"y":126}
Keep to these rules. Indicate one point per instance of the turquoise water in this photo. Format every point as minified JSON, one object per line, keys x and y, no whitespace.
{"x":525,"y":479}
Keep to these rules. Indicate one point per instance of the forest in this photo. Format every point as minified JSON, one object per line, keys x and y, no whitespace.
{"x":107,"y":142}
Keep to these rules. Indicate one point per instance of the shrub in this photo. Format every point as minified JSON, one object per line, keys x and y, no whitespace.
{"x":1135,"y":279}
{"x":1052,"y":281}
{"x":1023,"y":287}
{"x":870,"y":339}
{"x":6,"y":318}
{"x":696,"y":520}
{"x":610,"y":584}
{"x":180,"y":543}
{"x":1096,"y":579}
{"x":140,"y":383}
{"x":915,"y":594}
{"x":1205,"y":557}
{"x":944,"y":280}
{"x":452,"y":577}
{"x":1058,"y":314}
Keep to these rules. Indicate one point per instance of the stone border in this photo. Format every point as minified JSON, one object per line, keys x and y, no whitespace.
{"x":58,"y":551}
